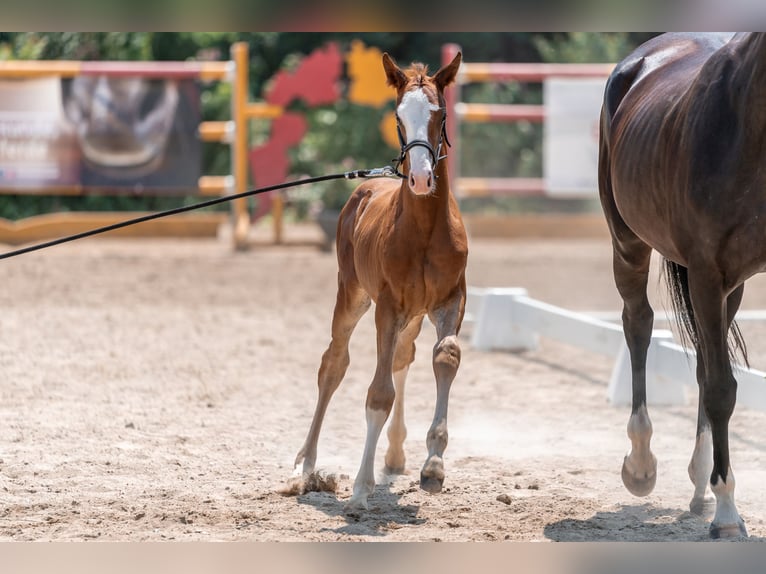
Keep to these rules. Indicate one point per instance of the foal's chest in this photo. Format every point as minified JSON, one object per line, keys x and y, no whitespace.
{"x":424,"y":275}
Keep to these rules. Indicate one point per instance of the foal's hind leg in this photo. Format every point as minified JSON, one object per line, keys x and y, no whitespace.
{"x":351,"y":303}
{"x":397,"y":431}
{"x":701,"y":464}
{"x":446,"y":360}
{"x":631,"y":258}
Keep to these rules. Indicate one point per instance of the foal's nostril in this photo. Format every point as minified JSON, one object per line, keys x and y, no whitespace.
{"x":430,"y":180}
{"x":412,"y":180}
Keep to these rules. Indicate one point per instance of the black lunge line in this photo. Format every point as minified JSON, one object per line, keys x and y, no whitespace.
{"x":386,"y":171}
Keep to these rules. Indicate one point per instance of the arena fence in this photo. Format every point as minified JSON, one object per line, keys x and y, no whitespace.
{"x":459,"y":112}
{"x":234,"y":132}
{"x":506,"y":319}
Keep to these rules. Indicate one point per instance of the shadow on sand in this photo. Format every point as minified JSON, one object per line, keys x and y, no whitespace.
{"x":635,"y":523}
{"x":384,"y":514}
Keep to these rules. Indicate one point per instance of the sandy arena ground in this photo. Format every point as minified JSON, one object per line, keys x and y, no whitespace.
{"x":160,"y":389}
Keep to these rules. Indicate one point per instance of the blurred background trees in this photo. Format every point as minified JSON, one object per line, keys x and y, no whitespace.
{"x":342,"y":136}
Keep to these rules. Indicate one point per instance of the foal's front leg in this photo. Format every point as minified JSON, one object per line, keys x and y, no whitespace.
{"x":446,"y":360}
{"x":380,"y":398}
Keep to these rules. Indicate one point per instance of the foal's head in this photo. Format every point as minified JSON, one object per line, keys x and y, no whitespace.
{"x":421,"y":113}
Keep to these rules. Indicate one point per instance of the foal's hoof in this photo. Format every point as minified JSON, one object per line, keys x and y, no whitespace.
{"x":356,"y":506}
{"x":432,"y":475}
{"x":727,"y":531}
{"x":638,"y":483}
{"x":430,"y":484}
{"x":393,"y":471}
{"x":700,"y":506}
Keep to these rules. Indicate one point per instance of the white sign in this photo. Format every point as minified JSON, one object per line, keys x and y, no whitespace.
{"x":570,"y":135}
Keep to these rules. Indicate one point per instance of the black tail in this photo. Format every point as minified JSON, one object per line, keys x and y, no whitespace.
{"x":677,"y":278}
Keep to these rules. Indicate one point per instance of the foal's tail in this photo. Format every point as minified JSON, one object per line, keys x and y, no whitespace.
{"x":677,"y":278}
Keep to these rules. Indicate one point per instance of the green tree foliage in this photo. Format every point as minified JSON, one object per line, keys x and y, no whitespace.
{"x":583,"y":47}
{"x":76,"y":46}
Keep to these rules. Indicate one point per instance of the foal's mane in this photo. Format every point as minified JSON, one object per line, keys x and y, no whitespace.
{"x":417,"y":73}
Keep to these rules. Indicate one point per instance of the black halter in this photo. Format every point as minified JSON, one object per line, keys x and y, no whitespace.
{"x":405,"y":147}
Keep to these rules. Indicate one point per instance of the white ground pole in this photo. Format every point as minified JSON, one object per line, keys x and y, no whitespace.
{"x":506,"y":319}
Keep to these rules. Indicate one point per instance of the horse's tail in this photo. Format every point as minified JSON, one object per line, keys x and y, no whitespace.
{"x":677,"y":278}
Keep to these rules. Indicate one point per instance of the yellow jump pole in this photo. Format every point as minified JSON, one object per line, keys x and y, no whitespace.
{"x":263,"y":110}
{"x":239,"y":54}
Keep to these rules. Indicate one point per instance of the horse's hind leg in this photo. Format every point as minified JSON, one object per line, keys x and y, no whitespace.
{"x":701,"y":464}
{"x":631,"y":271}
{"x":719,"y":394}
{"x":446,"y":360}
{"x":631,"y":257}
{"x":351,"y":303}
{"x":397,"y":431}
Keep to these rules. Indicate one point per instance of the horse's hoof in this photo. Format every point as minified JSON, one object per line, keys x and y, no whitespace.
{"x":728,"y":531}
{"x":638,"y":485}
{"x":431,"y":484}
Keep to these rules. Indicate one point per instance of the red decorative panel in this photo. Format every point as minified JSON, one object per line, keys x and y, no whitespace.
{"x":269,"y":163}
{"x":315,"y":81}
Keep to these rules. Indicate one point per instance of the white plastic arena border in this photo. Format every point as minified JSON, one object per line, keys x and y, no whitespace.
{"x":506,"y":319}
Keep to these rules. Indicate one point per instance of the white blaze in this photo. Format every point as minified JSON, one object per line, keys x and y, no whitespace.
{"x":415,"y":113}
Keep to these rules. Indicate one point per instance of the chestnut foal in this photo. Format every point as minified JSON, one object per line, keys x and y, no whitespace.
{"x":401,"y":244}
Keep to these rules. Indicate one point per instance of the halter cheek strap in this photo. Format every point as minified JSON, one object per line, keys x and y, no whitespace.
{"x":405,"y":147}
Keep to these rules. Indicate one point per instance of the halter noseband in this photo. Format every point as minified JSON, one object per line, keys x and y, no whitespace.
{"x":405,"y":147}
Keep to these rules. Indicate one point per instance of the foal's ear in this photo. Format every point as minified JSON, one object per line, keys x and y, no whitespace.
{"x":394,"y":75}
{"x":448,"y":73}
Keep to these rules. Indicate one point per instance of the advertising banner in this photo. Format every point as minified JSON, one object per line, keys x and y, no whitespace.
{"x":119,"y":134}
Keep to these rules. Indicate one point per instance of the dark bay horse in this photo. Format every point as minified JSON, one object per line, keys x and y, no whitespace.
{"x":402,"y":244}
{"x":682,"y":170}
